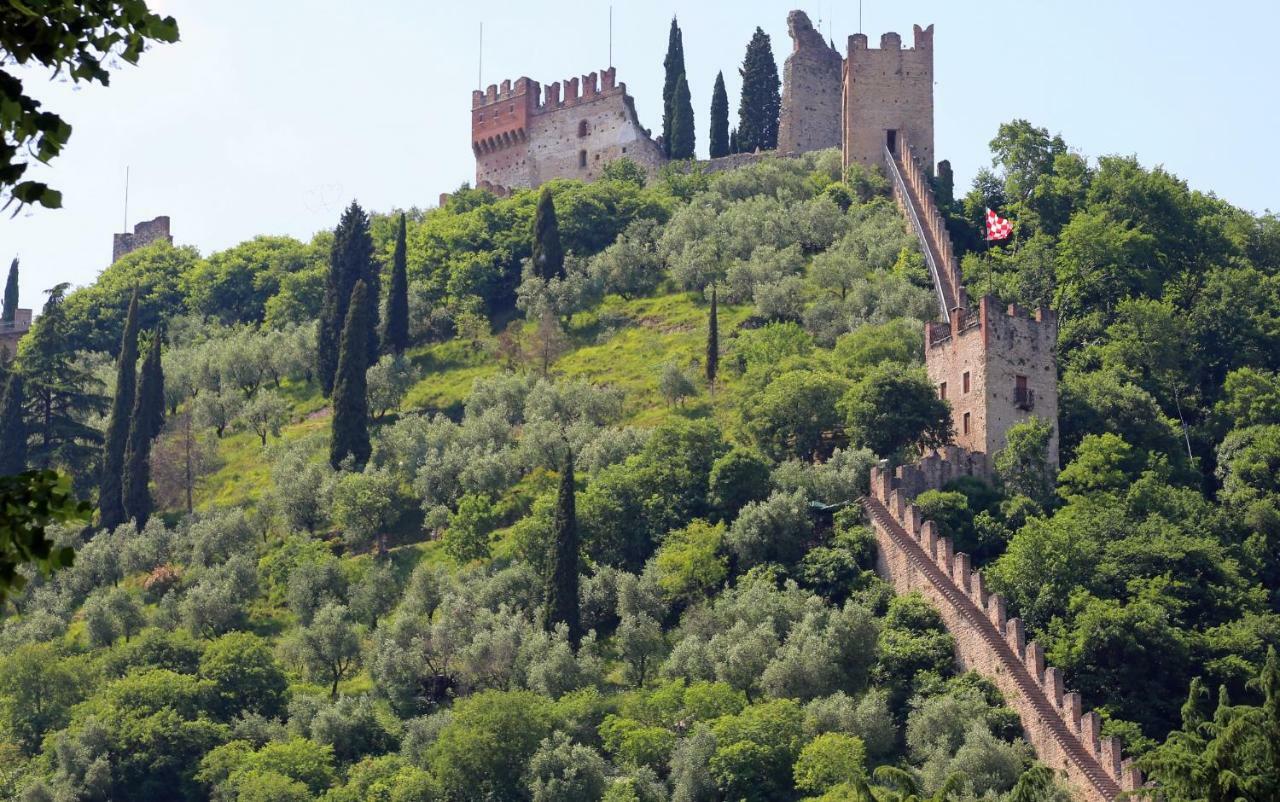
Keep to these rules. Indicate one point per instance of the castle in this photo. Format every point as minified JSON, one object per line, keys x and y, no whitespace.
{"x":521,"y":139}
{"x":144,"y":233}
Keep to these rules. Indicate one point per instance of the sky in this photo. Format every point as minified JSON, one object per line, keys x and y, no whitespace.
{"x":269,"y":116}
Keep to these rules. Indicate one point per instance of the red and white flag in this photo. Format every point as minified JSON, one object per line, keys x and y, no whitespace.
{"x":997,"y":226}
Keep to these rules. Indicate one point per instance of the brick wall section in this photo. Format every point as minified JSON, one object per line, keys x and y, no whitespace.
{"x":912,"y":557}
{"x":1009,"y":357}
{"x":812,"y":78}
{"x":144,"y":233}
{"x":889,"y":88}
{"x":13,"y":331}
{"x":524,"y":135}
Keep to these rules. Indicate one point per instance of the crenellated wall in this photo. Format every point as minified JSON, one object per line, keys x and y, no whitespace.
{"x":889,"y":88}
{"x":143,"y":233}
{"x":913,"y":557}
{"x":525,"y":134}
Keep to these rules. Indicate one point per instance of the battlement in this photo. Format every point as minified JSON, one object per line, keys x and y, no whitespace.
{"x":144,"y":233}
{"x":922,"y":40}
{"x":1012,"y":323}
{"x":914,"y":557}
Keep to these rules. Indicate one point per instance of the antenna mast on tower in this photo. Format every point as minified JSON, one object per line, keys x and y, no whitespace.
{"x":126,"y":199}
{"x":610,"y":36}
{"x":480,"y":60}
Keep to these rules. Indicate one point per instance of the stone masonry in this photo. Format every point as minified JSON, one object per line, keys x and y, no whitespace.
{"x":144,"y":233}
{"x":521,"y":140}
{"x":913,"y":557}
{"x":13,"y":331}
{"x":888,"y":91}
{"x":995,"y":369}
{"x":811,"y":90}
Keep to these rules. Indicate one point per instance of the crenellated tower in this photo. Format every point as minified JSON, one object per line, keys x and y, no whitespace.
{"x":525,"y":134}
{"x":888,"y":92}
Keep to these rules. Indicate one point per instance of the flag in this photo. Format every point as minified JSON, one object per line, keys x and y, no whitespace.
{"x":997,"y":226}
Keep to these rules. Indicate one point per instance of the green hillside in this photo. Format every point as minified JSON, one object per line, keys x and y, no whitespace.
{"x":293,"y":625}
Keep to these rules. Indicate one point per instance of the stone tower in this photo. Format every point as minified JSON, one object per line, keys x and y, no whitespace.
{"x":144,"y":233}
{"x":811,"y":89}
{"x":996,"y":368}
{"x":887,"y":91}
{"x":522,"y":137}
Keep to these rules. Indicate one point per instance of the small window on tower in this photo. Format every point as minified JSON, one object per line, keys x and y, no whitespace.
{"x":582,"y":158}
{"x":582,"y":128}
{"x":966,"y":423}
{"x":965,"y":381}
{"x":942,"y":391}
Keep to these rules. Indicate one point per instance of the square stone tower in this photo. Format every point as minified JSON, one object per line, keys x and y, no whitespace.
{"x":143,"y":234}
{"x":811,"y":89}
{"x":996,"y":368}
{"x":887,"y":91}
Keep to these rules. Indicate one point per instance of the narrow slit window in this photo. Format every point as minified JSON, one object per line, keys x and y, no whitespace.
{"x":582,"y":158}
{"x":942,"y":391}
{"x":966,"y":381}
{"x":966,"y":423}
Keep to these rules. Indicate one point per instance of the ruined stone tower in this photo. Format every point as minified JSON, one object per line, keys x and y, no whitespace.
{"x":144,"y":233}
{"x":522,"y":141}
{"x":996,"y":367}
{"x":811,"y":90}
{"x":888,"y":92}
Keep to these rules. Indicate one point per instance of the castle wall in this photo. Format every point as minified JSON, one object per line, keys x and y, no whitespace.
{"x":912,"y":557}
{"x":524,"y":136}
{"x":996,"y":347}
{"x":889,"y":88}
{"x":812,"y":77}
{"x":143,"y":234}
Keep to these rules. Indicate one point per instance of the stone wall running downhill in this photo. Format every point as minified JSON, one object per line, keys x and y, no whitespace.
{"x":912,"y":557}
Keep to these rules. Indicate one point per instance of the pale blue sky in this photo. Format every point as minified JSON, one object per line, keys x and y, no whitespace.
{"x":270,"y":115}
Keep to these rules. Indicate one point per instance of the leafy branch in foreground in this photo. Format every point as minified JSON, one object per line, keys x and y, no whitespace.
{"x":75,"y":39}
{"x":30,"y":502}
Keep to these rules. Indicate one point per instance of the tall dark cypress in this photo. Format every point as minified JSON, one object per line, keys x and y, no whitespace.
{"x":145,"y":424}
{"x":673,"y":65}
{"x":110,"y":493}
{"x":734,"y":147}
{"x":350,"y":436}
{"x":350,"y":261}
{"x":548,"y":254}
{"x":761,"y":97}
{"x":395,"y":331}
{"x":713,"y":339}
{"x":562,"y":578}
{"x":10,"y":309}
{"x":13,"y":427}
{"x":682,"y":136}
{"x":718,"y":136}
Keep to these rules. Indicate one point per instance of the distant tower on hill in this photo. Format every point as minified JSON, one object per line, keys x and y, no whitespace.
{"x":888,"y":92}
{"x":811,"y":81}
{"x":143,"y":233}
{"x":521,"y":140}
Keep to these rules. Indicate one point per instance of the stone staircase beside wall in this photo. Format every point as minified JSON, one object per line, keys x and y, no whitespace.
{"x":914,"y":558}
{"x":914,"y":194}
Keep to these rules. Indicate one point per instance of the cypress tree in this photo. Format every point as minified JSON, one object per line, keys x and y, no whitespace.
{"x":395,"y":332}
{"x":148,"y":418}
{"x":350,"y":436}
{"x":110,"y":493}
{"x":718,"y":136}
{"x":350,"y":261}
{"x":734,"y":147}
{"x":682,"y":136}
{"x":562,"y":578}
{"x":13,"y":427}
{"x":548,"y":255}
{"x":10,"y":310}
{"x":673,"y":65}
{"x":713,"y":340}
{"x":761,"y":97}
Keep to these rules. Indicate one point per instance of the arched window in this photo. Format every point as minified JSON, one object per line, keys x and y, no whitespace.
{"x":582,"y":128}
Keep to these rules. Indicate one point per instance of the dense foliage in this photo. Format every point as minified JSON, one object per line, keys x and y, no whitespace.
{"x":601,"y":545}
